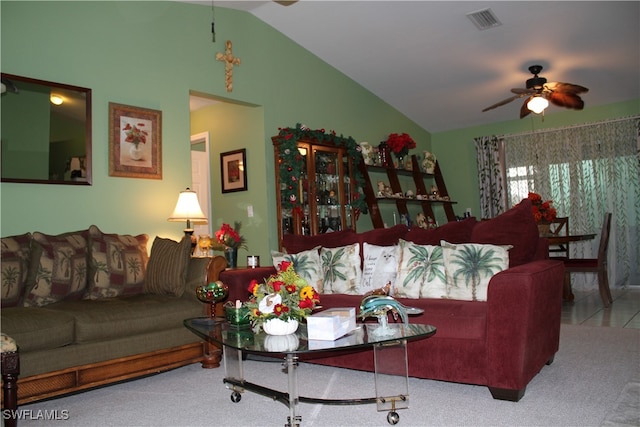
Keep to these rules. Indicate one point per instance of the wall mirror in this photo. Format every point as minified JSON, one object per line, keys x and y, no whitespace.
{"x":46,"y":132}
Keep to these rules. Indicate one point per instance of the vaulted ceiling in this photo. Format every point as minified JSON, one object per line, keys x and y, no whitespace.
{"x":429,"y":61}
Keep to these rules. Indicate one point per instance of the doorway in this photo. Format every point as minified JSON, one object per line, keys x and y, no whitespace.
{"x":201,"y":179}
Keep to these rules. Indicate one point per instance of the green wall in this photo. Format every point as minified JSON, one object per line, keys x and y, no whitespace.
{"x":456,"y":151}
{"x":151,"y":55}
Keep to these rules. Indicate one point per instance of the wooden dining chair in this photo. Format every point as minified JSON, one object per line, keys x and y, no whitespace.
{"x":559,"y":227}
{"x":593,"y":265}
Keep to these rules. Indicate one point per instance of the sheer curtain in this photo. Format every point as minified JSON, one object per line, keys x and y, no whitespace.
{"x":586,"y":170}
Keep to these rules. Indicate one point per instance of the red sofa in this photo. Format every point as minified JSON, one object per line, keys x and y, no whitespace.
{"x":501,"y":343}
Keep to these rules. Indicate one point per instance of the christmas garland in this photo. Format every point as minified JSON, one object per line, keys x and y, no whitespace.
{"x":290,"y":164}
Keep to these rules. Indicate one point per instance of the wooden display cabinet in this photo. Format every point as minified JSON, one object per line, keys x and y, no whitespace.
{"x":323,"y":189}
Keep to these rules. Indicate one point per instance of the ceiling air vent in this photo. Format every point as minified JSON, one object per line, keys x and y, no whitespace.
{"x":484,"y":19}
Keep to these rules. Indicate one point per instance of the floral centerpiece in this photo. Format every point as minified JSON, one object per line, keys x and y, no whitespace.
{"x":284,"y":296}
{"x":543,"y":212}
{"x":400,"y":144}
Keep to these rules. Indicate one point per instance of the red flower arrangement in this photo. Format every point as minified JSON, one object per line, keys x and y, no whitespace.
{"x":400,"y":144}
{"x":230,"y":237}
{"x":542,"y":210}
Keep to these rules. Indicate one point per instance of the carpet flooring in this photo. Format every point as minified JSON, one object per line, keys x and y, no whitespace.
{"x":592,"y":382}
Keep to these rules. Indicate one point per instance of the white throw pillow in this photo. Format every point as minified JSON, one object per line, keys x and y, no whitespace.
{"x":341,"y":269}
{"x":470,"y":267}
{"x":380,"y":266}
{"x":305,"y":263}
{"x":421,"y":273}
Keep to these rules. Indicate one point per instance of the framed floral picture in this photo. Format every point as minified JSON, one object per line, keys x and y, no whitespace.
{"x":233,"y":170}
{"x":135,"y":142}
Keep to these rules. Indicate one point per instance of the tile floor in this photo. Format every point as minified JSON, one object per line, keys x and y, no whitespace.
{"x":587,"y":309}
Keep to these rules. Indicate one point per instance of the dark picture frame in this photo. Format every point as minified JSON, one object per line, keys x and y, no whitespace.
{"x":233,"y":170}
{"x":135,"y":142}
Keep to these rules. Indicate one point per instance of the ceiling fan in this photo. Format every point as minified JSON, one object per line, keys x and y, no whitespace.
{"x":539,"y":93}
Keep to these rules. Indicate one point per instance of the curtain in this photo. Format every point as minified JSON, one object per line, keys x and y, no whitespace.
{"x":586,"y":170}
{"x":493,"y":199}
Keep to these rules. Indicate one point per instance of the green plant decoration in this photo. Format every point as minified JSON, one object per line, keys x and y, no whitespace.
{"x":290,"y":164}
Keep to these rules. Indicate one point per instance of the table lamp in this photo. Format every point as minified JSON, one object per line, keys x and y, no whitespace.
{"x":188,"y":209}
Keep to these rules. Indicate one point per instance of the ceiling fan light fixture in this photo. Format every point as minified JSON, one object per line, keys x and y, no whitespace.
{"x":537,"y":104}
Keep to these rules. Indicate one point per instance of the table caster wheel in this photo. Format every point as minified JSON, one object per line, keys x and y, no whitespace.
{"x":235,"y":397}
{"x":393,"y":418}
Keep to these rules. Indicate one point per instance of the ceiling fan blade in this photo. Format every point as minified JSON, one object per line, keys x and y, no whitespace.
{"x":503,"y":102}
{"x":523,"y":92}
{"x":285,"y":3}
{"x":566,"y":99}
{"x":565,"y":87}
{"x":524,"y":111}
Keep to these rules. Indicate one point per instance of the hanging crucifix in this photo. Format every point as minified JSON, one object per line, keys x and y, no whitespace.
{"x":229,"y":61}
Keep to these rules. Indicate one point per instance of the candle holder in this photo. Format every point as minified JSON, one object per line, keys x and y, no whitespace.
{"x":211,"y":293}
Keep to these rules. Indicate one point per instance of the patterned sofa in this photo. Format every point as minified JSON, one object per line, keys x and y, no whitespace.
{"x":88,"y":308}
{"x":498,"y":332}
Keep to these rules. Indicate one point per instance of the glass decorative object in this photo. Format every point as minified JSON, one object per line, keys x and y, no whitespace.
{"x":212,"y":293}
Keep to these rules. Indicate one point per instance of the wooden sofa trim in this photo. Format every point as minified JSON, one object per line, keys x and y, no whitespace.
{"x":70,"y":380}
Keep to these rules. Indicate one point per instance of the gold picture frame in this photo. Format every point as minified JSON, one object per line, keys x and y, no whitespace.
{"x":233,"y":170}
{"x":135,"y":142}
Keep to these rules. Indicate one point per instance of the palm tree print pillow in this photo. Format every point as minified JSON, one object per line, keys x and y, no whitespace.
{"x":117,"y":264}
{"x":58,"y":268}
{"x":421,"y":272}
{"x":305,"y":263}
{"x":469,"y":268}
{"x":341,"y":269}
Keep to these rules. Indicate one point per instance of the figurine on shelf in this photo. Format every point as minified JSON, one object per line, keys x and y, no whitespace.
{"x":421,"y":220}
{"x":434,"y":192}
{"x":429,"y":162}
{"x":384,"y":190}
{"x":431,"y":224}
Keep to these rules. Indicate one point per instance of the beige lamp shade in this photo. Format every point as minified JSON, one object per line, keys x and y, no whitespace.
{"x":188,"y":209}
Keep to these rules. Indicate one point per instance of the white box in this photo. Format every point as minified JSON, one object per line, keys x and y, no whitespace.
{"x":331,"y":324}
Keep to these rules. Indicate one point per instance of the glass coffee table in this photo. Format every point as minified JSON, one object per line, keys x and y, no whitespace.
{"x":390,"y":360}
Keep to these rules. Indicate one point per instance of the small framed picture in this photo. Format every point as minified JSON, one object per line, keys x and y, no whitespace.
{"x":135,"y":142}
{"x":233,"y":169}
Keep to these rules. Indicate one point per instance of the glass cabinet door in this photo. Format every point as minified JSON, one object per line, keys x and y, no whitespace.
{"x":323,"y":189}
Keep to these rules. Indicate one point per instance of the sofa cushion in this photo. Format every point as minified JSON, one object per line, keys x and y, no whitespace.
{"x":36,"y":328}
{"x":453,"y":232}
{"x":470,"y":267}
{"x":294,"y":244}
{"x":515,"y":227}
{"x":421,"y":272}
{"x":15,"y":257}
{"x":104,"y":319}
{"x":168,"y":266}
{"x":383,"y":236}
{"x":117,"y":264}
{"x":379,"y":266}
{"x":305,"y":263}
{"x":58,"y":268}
{"x":341,"y":269}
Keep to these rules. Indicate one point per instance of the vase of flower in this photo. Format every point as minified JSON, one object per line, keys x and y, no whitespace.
{"x":544,"y":229}
{"x":135,"y":152}
{"x":280,"y":327}
{"x":231,"y":254}
{"x":400,"y":163}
